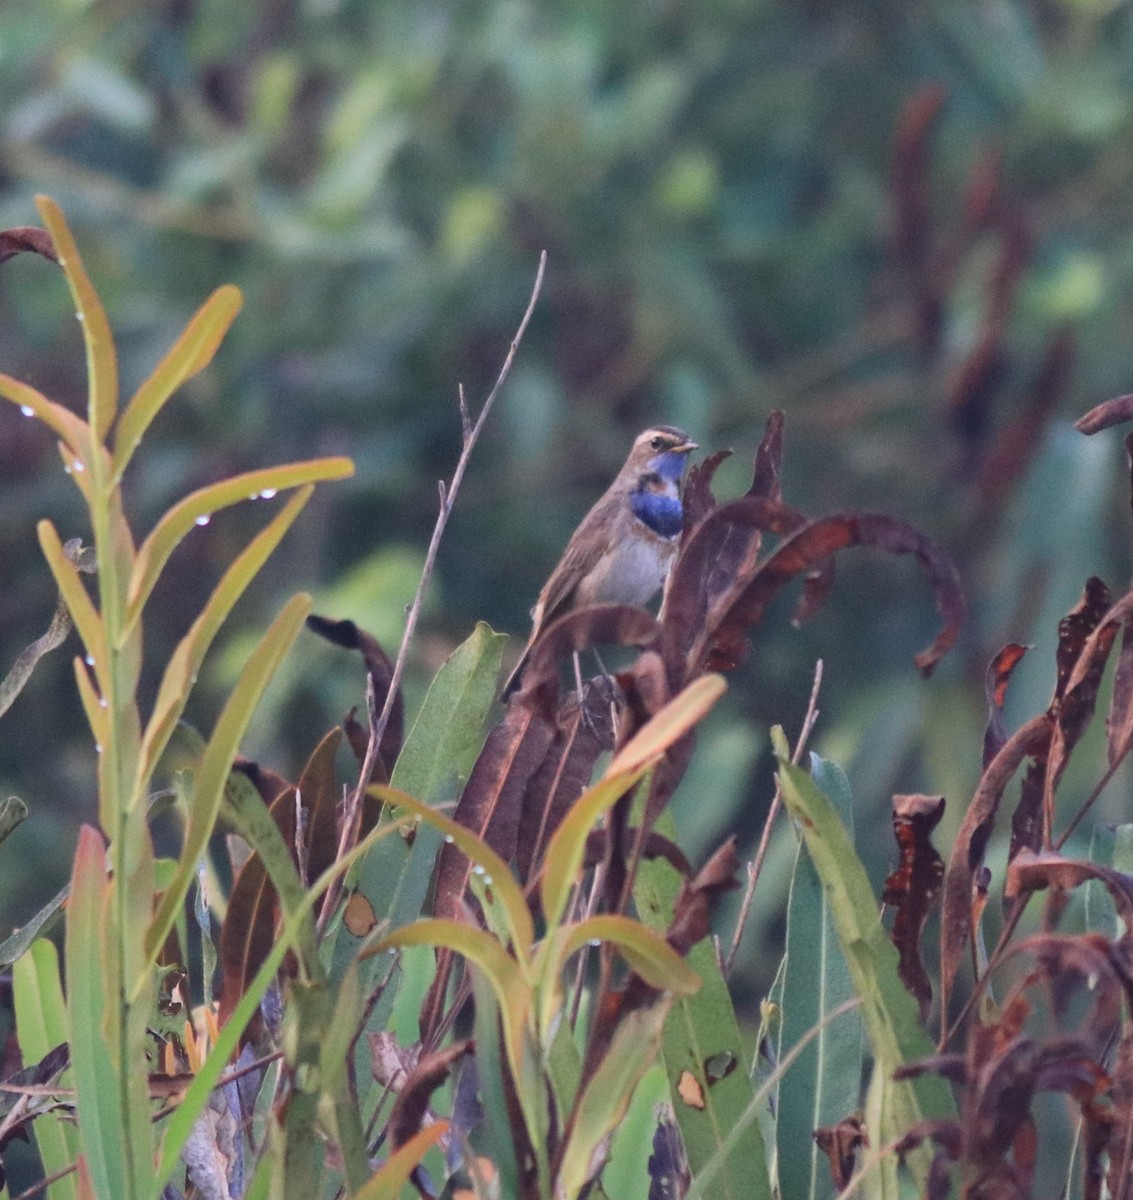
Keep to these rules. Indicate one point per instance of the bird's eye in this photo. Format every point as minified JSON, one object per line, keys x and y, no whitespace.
{"x":657,"y":443}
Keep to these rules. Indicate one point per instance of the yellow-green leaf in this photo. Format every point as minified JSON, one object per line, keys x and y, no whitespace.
{"x":604,"y":1102}
{"x":71,"y":430}
{"x":79,"y":604}
{"x":191,"y":353}
{"x":395,"y":1171}
{"x":507,"y":891}
{"x":200,"y":506}
{"x":566,"y":849}
{"x":672,"y":722}
{"x":217,"y":761}
{"x":185,"y":662}
{"x":102,"y":363}
{"x":647,"y":953}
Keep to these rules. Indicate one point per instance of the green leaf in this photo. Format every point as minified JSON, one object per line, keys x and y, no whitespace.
{"x":17,"y":943}
{"x":824,"y":1084}
{"x":443,"y":743}
{"x":102,"y":363}
{"x":180,"y":1124}
{"x":41,"y":1025}
{"x":243,"y":806}
{"x":217,"y":762}
{"x":181,"y":670}
{"x":604,"y":1102}
{"x":154,"y":552}
{"x":191,"y":353}
{"x":889,"y":1012}
{"x":101,"y":1120}
{"x":701,"y":1029}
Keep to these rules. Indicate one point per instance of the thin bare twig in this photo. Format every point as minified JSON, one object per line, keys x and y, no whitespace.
{"x":469,"y":436}
{"x":755,"y":867}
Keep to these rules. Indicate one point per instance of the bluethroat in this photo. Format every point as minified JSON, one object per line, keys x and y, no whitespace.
{"x":622,"y":551}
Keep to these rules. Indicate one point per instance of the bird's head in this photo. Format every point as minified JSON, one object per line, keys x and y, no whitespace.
{"x":661,"y":451}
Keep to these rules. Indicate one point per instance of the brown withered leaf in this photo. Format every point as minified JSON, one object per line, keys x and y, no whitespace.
{"x":249,"y":929}
{"x":1030,"y":872}
{"x":560,"y":779}
{"x":1106,"y":415}
{"x":998,"y":676}
{"x":669,"y":1176}
{"x":697,"y":499}
{"x":358,"y":915}
{"x":974,"y":388}
{"x":490,"y":806}
{"x":21,"y":238}
{"x":492,"y":798}
{"x":412,"y":1104}
{"x":693,"y":906}
{"x":379,"y":667}
{"x":802,"y":551}
{"x":1120,"y":1133}
{"x":1119,"y":723}
{"x":714,"y":564}
{"x":319,"y":794}
{"x":912,"y":226}
{"x":840,"y":1143}
{"x":1016,"y":443}
{"x":268,"y":783}
{"x":967,"y":856}
{"x":1026,"y":820}
{"x":914,"y":887}
{"x":767,"y":469}
{"x":593,"y":625}
{"x":1074,"y":631}
{"x":983,"y":192}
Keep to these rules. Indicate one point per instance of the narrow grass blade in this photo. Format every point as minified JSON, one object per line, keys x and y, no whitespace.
{"x":154,"y":552}
{"x":507,"y":890}
{"x":79,"y":604}
{"x":180,"y":1125}
{"x":604,"y":1102}
{"x":41,"y":1025}
{"x":674,"y":720}
{"x":566,"y":849}
{"x":72,"y":431}
{"x":217,"y":762}
{"x":181,"y":670}
{"x":101,"y":1120}
{"x":190,"y":354}
{"x":102,"y":363}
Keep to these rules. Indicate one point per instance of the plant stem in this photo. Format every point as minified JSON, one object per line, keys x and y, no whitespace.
{"x":470,"y":434}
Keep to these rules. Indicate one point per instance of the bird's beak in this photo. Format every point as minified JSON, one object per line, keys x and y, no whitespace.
{"x":686,"y":448}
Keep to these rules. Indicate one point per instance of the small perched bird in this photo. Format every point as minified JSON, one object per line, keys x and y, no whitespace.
{"x":622,"y":551}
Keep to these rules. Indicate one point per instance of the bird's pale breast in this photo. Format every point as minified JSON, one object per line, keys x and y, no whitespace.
{"x":631,"y":572}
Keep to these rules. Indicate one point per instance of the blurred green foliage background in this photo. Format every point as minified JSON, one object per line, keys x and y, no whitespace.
{"x":717,"y":189}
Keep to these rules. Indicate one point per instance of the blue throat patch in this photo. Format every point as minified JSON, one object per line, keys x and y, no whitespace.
{"x":660,"y":512}
{"x":669,"y":466}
